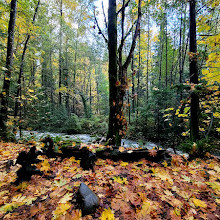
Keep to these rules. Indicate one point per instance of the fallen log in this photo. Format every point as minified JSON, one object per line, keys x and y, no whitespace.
{"x":87,"y":159}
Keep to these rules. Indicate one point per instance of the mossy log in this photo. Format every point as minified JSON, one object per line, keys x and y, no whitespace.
{"x":88,"y":158}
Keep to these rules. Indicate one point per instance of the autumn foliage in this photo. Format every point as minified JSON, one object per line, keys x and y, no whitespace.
{"x":137,"y":190}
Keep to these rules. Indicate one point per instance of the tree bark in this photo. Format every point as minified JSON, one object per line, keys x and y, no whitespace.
{"x":60,"y":52}
{"x":113,"y":129}
{"x":9,"y":62}
{"x":117,"y":121}
{"x":193,"y":68}
{"x":166,"y":80}
{"x":66,"y":79}
{"x":138,"y":76}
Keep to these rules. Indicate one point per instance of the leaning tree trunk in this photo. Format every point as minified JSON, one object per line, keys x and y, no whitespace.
{"x":194,"y":116}
{"x":9,"y":62}
{"x":18,"y":94}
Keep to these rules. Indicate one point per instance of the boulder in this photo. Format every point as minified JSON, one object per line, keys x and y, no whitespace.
{"x":87,"y":199}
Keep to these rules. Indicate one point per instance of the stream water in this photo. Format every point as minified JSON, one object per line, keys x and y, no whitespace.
{"x":86,"y":138}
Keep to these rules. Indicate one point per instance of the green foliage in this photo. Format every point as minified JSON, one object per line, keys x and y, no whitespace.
{"x":72,"y":125}
{"x":199,"y":148}
{"x":95,"y":125}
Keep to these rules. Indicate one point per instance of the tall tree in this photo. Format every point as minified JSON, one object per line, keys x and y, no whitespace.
{"x":193,"y":67}
{"x":118,"y":82}
{"x":60,"y":52}
{"x":7,"y":77}
{"x":113,"y":129}
{"x":18,"y":94}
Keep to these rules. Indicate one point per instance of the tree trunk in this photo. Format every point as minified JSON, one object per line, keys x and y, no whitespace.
{"x":90,"y":96}
{"x":180,"y":56}
{"x":193,"y":68}
{"x":132,"y":89}
{"x":148,"y":52}
{"x":9,"y":62}
{"x":166,"y":80}
{"x":66,"y":79}
{"x":60,"y":52}
{"x":18,"y":93}
{"x":161,"y":54}
{"x":74,"y":75}
{"x":117,"y":90}
{"x":138,"y":76}
{"x":113,"y":129}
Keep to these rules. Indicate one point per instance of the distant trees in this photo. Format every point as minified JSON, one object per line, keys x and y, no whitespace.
{"x":66,"y":75}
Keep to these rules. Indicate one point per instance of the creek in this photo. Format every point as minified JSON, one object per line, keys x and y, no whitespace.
{"x":88,"y":139}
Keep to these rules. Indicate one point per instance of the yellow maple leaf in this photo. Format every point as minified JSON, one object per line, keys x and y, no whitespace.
{"x":145,"y":210}
{"x":177,"y":211}
{"x":120,"y":180}
{"x":45,"y":166}
{"x":199,"y":203}
{"x":215,"y":186}
{"x":165,"y":163}
{"x":107,"y":214}
{"x":61,"y":209}
{"x":121,"y":149}
{"x":8,"y":207}
{"x":66,"y":197}
{"x":123,"y":164}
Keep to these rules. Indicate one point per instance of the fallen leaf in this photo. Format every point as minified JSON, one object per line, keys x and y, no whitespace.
{"x":107,"y":214}
{"x":199,"y":203}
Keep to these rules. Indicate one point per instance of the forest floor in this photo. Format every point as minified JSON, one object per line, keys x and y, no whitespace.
{"x":135,"y":190}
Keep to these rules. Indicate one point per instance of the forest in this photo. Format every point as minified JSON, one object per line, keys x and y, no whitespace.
{"x":139,"y":80}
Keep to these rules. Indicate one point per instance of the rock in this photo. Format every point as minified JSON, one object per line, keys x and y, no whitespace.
{"x":88,"y":201}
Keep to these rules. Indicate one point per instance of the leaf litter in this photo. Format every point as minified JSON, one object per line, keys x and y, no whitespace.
{"x":134,"y":190}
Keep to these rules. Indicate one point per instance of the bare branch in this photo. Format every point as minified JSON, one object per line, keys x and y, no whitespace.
{"x":100,"y":31}
{"x":103,"y":11}
{"x":125,"y":37}
{"x":123,"y":7}
{"x":122,"y":36}
{"x":137,"y":30}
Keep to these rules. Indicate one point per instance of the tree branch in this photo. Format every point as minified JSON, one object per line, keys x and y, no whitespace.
{"x":100,"y":31}
{"x":128,"y":33}
{"x":103,"y":11}
{"x":122,"y":37}
{"x":123,"y":7}
{"x":137,"y":30}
